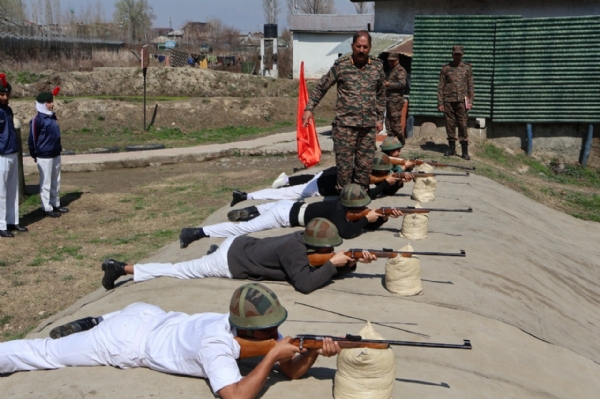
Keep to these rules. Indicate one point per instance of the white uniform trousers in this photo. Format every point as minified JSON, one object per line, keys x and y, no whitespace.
{"x":213,"y":265}
{"x":9,"y":190}
{"x":119,"y":340}
{"x":49,"y":182}
{"x":310,"y":189}
{"x":272,"y":216}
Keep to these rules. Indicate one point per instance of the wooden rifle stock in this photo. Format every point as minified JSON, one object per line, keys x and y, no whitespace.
{"x":378,"y":179}
{"x":388,"y":210}
{"x":318,"y":259}
{"x":400,"y":161}
{"x":252,"y":348}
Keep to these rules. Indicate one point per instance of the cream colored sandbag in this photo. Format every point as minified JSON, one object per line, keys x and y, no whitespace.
{"x":365,"y":373}
{"x":403,"y":275}
{"x":424,"y":187}
{"x":414,"y":225}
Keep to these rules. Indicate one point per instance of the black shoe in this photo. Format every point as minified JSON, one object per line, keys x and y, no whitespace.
{"x":465,"y":150}
{"x":16,"y":227}
{"x":243,"y":215}
{"x":73,"y":327}
{"x":59,"y":209}
{"x":112,"y":271}
{"x":238,"y":196}
{"x":212,"y":249}
{"x":6,"y":233}
{"x":452,"y":150}
{"x":188,"y":236}
{"x":52,"y":214}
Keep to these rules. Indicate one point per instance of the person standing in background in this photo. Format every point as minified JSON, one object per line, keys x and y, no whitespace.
{"x":395,"y":84}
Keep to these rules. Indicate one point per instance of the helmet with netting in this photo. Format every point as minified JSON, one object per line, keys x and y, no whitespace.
{"x":390,"y":143}
{"x":321,"y":233}
{"x":354,"y":196}
{"x":255,"y":307}
{"x":381,"y":162}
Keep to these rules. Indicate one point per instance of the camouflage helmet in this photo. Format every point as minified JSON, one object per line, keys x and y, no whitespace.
{"x":354,"y":196}
{"x":381,"y":162}
{"x":321,"y":233}
{"x":390,"y":143}
{"x":255,"y":307}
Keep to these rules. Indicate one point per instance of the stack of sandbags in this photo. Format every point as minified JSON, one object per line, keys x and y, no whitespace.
{"x":364,"y":372}
{"x":424,"y":187}
{"x":403,"y":275}
{"x":414,"y":225}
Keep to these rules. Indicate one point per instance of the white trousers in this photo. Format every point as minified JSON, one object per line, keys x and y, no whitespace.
{"x":49,"y":182}
{"x":272,"y":216}
{"x":120,"y":341}
{"x":9,"y":190}
{"x":213,"y":265}
{"x":300,"y":191}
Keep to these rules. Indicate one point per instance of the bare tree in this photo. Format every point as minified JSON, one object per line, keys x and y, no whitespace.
{"x":363,"y":8}
{"x":271,"y":8}
{"x":311,"y":6}
{"x":136,"y":16}
{"x":13,"y":10}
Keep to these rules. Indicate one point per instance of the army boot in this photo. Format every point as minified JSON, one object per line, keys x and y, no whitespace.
{"x":243,"y":215}
{"x":73,"y":327}
{"x":452,"y":150}
{"x":465,"y":150}
{"x":189,"y":235}
{"x":112,"y":271}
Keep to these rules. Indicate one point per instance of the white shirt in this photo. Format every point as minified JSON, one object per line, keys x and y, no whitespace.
{"x":200,"y":345}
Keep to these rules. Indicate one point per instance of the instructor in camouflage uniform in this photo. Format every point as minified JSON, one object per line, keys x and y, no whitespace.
{"x":359,"y":110}
{"x":395,"y":84}
{"x":455,"y":99}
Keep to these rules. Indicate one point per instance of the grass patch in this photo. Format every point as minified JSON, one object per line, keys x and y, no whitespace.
{"x":4,"y":320}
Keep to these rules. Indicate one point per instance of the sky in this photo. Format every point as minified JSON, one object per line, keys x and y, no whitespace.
{"x":245,"y":15}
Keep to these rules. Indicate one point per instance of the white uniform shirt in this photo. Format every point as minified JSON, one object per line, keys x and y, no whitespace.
{"x":200,"y":345}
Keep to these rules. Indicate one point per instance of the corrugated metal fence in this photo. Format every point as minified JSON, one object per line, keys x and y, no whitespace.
{"x":547,"y":70}
{"x":525,"y":70}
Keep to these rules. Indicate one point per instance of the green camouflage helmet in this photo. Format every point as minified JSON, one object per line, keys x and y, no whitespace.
{"x":321,"y":233}
{"x":354,"y":196}
{"x":255,"y":307}
{"x":381,"y":162}
{"x":391,"y":143}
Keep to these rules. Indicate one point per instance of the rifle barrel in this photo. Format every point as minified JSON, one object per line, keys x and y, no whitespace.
{"x":412,"y":208}
{"x":357,"y":338}
{"x":462,"y":252}
{"x":416,"y":174}
{"x":434,"y":163}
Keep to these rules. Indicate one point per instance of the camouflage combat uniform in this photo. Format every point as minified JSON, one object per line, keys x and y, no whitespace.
{"x":456,"y":83}
{"x":360,"y":104}
{"x":395,"y":102}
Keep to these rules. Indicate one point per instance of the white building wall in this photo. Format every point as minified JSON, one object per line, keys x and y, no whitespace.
{"x":399,"y":16}
{"x":312,"y":48}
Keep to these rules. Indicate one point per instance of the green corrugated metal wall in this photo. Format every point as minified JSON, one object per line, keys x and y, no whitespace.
{"x":547,"y":70}
{"x":432,"y":48}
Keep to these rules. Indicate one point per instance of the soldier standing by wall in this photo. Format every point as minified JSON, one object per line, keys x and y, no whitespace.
{"x":359,"y":110}
{"x":455,"y":99}
{"x":395,"y":84}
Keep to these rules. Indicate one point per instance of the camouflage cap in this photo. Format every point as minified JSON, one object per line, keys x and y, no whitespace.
{"x":255,"y":307}
{"x":321,"y":233}
{"x":390,"y":143}
{"x":381,"y":162}
{"x":393,"y":57}
{"x":456,"y":49}
{"x":354,"y":196}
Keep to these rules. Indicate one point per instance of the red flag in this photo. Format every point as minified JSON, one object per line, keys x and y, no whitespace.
{"x":309,"y":150}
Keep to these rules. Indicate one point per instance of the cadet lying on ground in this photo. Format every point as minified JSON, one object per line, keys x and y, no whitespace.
{"x":283,"y":258}
{"x":200,"y":345}
{"x":287,"y":213}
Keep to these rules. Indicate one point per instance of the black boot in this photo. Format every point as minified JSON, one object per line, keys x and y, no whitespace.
{"x":243,"y":215}
{"x":452,"y":150}
{"x":73,"y":327}
{"x":112,"y":271}
{"x":238,"y":196}
{"x":189,"y":235}
{"x":465,"y":150}
{"x":6,"y":233}
{"x":212,"y":249}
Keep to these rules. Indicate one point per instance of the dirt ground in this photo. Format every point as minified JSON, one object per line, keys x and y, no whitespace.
{"x":126,"y":214}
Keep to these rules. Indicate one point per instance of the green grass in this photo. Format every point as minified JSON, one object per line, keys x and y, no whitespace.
{"x":4,"y":320}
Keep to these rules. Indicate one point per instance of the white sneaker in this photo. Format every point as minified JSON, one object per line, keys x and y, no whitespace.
{"x":281,"y":181}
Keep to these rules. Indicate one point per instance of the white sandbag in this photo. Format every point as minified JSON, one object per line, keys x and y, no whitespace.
{"x":403,"y":275}
{"x":414,"y":225}
{"x":424,"y":187}
{"x":365,"y":373}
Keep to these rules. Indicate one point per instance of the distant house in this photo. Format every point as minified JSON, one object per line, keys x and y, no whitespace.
{"x":161,"y":31}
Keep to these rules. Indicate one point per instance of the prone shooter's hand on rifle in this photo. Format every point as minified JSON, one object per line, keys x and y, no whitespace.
{"x":407,"y":177}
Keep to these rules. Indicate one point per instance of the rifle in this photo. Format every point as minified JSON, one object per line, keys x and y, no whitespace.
{"x":378,"y":179}
{"x":388,"y":210}
{"x":251,"y":347}
{"x":400,"y":161}
{"x":319,"y":259}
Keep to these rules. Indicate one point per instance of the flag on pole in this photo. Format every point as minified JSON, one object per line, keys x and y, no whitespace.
{"x":309,"y":150}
